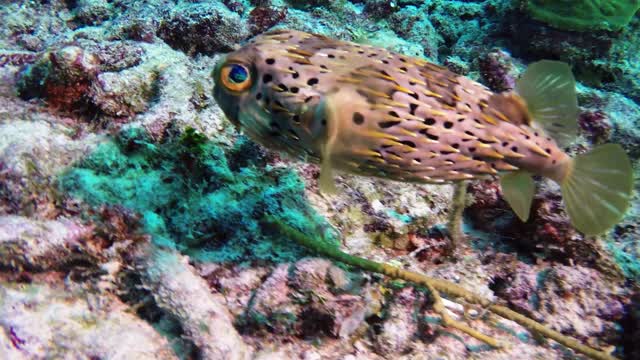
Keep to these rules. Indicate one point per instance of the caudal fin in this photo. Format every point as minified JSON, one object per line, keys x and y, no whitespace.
{"x":597,"y":189}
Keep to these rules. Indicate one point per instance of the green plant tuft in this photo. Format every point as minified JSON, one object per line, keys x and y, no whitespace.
{"x":584,"y":15}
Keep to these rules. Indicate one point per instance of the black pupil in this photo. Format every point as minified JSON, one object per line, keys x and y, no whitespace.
{"x":238,"y":74}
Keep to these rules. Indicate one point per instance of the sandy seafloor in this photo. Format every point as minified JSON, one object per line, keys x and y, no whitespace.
{"x":130,"y":208}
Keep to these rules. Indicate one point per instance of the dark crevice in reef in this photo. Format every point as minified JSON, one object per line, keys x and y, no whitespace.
{"x":631,"y":328}
{"x":166,"y":324}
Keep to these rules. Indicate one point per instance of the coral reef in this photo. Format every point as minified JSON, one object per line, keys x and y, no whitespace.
{"x":137,"y":222}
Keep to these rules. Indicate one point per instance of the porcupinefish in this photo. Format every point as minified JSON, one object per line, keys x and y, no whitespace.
{"x":374,"y":112}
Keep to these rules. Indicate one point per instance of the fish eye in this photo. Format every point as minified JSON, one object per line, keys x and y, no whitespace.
{"x":235,"y":77}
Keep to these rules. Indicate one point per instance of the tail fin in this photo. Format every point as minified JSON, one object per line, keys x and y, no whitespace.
{"x":598,"y":188}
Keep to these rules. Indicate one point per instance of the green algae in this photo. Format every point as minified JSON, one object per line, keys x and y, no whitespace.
{"x":584,"y":15}
{"x":194,"y":196}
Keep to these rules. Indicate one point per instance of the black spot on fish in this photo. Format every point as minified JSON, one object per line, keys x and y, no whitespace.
{"x":445,"y":152}
{"x":388,"y":124}
{"x":295,"y":119}
{"x":505,"y":144}
{"x":295,"y":74}
{"x":455,"y":146}
{"x":448,"y":124}
{"x":308,"y":98}
{"x":418,"y":160}
{"x":312,"y":81}
{"x":403,"y":60}
{"x":294,"y":89}
{"x":394,"y":114}
{"x":258,"y":96}
{"x":360,"y":51}
{"x":385,"y":61}
{"x":331,"y":56}
{"x":409,"y":143}
{"x":432,"y":137}
{"x":429,"y":121}
{"x":267,"y":78}
{"x":486,"y":141}
{"x":514,"y":148}
{"x":358,"y":118}
{"x":283,"y":87}
{"x":472,"y":149}
{"x":403,"y":69}
{"x":548,"y":151}
{"x":270,"y":61}
{"x":323,"y":122}
{"x":413,"y":108}
{"x":415,"y":96}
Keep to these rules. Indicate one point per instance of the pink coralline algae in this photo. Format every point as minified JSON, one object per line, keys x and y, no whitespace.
{"x":61,"y":77}
{"x":596,"y":126}
{"x":497,"y":70}
{"x":17,"y":58}
{"x":263,"y":17}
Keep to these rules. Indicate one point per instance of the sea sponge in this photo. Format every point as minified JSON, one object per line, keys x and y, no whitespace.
{"x":584,"y":15}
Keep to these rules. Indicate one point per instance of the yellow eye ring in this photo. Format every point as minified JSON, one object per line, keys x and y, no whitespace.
{"x":235,"y":77}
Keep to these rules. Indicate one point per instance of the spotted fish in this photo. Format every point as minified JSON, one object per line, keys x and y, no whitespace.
{"x":374,"y":112}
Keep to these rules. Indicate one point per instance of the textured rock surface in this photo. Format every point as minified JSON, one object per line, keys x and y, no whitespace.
{"x":131,"y":210}
{"x":39,"y":321}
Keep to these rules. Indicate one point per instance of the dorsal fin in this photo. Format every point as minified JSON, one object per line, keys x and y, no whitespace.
{"x":549,"y":89}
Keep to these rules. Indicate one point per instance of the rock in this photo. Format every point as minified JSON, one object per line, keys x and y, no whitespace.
{"x":202,"y":28}
{"x":43,"y":321}
{"x":179,"y":290}
{"x":39,"y":244}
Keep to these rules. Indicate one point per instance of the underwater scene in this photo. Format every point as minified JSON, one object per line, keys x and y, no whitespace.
{"x":322,"y":179}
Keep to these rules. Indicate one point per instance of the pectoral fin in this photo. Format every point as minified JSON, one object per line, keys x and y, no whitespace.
{"x":517,"y":189}
{"x":326,"y":115}
{"x":549,"y":89}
